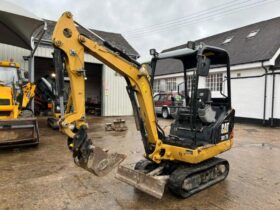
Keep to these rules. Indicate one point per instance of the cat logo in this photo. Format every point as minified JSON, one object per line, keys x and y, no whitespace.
{"x":225,"y":128}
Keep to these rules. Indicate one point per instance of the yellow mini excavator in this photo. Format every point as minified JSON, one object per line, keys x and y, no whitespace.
{"x":185,"y":160}
{"x":18,"y":127}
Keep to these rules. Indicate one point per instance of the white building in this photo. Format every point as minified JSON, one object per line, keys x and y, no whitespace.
{"x":103,"y":84}
{"x":255,"y":70}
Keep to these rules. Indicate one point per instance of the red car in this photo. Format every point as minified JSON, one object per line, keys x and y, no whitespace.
{"x":164,"y":102}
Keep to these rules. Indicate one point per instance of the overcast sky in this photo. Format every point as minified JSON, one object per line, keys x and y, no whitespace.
{"x":158,"y":24}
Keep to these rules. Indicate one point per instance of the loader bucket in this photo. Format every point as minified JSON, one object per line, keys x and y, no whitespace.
{"x":151,"y":185}
{"x":18,"y":132}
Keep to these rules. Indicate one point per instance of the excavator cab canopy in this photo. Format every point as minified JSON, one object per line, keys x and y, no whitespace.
{"x":207,"y":101}
{"x":198,"y":62}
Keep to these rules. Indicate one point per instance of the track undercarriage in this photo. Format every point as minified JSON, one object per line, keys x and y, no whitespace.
{"x":182,"y":179}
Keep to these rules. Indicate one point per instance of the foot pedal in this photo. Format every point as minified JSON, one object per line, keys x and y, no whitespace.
{"x":101,"y":163}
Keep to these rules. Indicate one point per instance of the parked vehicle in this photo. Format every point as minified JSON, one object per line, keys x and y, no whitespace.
{"x":165,"y":103}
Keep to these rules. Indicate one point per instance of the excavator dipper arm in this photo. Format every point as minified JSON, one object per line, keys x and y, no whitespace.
{"x":72,"y":45}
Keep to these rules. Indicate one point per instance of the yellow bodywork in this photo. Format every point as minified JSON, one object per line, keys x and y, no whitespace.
{"x":12,"y":108}
{"x":67,"y":38}
{"x":11,"y":105}
{"x":28,"y":94}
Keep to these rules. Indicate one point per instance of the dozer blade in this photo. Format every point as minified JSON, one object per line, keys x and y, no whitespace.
{"x":18,"y":132}
{"x":101,"y":163}
{"x":152,"y":185}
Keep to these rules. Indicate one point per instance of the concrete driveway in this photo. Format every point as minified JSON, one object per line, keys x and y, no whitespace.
{"x":45,"y":177}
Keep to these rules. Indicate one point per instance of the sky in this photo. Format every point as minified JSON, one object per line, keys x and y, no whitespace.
{"x":158,"y":24}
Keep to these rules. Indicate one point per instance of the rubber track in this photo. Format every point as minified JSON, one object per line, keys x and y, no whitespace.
{"x":179,"y":175}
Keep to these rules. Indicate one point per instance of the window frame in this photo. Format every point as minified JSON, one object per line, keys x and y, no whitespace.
{"x":156,"y":85}
{"x":214,"y":82}
{"x":171,"y":84}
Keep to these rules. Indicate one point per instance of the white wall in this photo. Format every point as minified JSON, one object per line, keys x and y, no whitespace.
{"x":115,"y":98}
{"x":248,"y":94}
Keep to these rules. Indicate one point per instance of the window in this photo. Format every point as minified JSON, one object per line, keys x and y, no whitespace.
{"x":156,"y":98}
{"x":228,"y":40}
{"x":189,"y":82}
{"x":169,"y":98}
{"x":9,"y":76}
{"x":171,"y":84}
{"x":163,"y":98}
{"x":253,"y":33}
{"x":214,"y":82}
{"x":156,"y":85}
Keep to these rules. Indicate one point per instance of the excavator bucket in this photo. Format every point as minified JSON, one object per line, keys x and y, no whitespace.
{"x":101,"y":163}
{"x":18,"y":132}
{"x":148,"y":183}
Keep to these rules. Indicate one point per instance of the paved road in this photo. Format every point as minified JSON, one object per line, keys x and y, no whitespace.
{"x":46,"y":178}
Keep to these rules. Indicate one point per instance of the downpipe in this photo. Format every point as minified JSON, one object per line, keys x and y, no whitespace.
{"x":265,"y":93}
{"x":273,"y":97}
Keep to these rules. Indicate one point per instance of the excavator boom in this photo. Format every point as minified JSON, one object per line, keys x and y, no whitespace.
{"x":73,"y":44}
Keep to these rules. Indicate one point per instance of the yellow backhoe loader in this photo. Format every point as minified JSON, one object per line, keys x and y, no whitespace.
{"x":185,"y":160}
{"x":17,"y":124}
{"x":18,"y":127}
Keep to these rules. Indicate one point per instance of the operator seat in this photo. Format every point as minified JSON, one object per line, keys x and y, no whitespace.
{"x":205,"y":110}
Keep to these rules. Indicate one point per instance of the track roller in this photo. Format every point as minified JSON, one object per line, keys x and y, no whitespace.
{"x":188,"y":180}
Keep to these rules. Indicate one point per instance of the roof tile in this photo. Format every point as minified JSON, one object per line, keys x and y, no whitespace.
{"x":244,"y":50}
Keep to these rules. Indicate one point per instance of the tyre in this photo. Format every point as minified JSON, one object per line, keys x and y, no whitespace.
{"x":164,"y":113}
